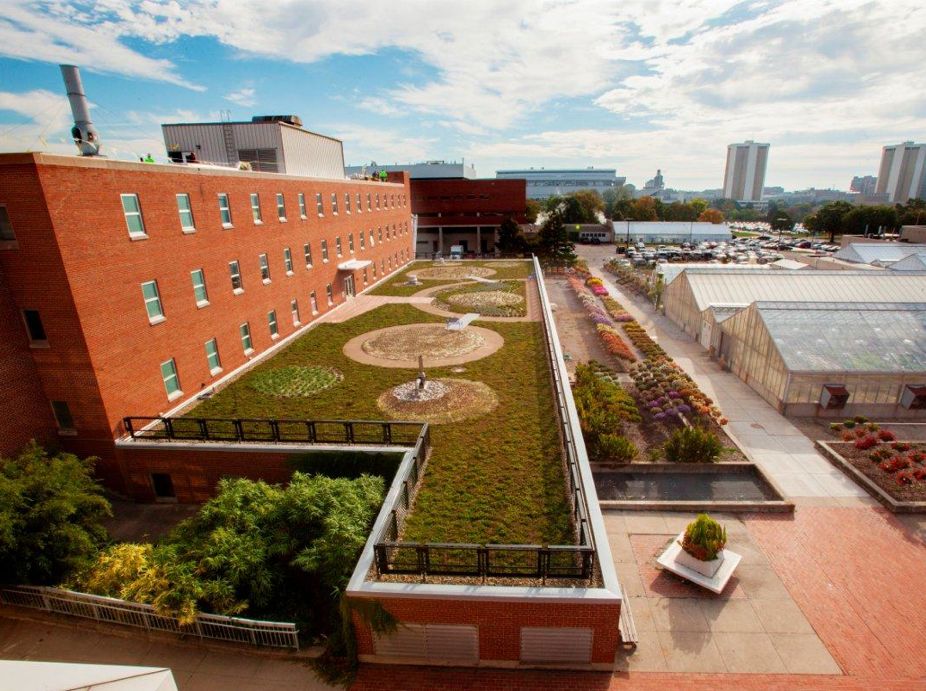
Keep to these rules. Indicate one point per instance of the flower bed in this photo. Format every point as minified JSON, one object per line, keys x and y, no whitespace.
{"x":667,"y":391}
{"x":897,"y":467}
{"x":610,"y":337}
{"x":615,"y":310}
{"x":646,"y":345}
{"x":603,"y":407}
{"x":614,"y":344}
{"x":629,"y":278}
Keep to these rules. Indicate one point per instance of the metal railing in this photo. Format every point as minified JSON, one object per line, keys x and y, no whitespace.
{"x":574,"y":562}
{"x":271,"y":634}
{"x":348,"y":432}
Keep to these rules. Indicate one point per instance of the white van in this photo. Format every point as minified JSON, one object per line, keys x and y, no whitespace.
{"x":456,"y":252}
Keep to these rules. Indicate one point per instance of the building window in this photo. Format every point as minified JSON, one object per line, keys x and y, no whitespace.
{"x":374,"y":271}
{"x":6,"y":228}
{"x":366,"y":276}
{"x":152,"y":297}
{"x":313,"y":301}
{"x":369,"y":202}
{"x":63,"y":417}
{"x":212,"y":356}
{"x":171,"y":380}
{"x":272,"y":323}
{"x":347,"y":202}
{"x":334,"y":204}
{"x":382,"y":266}
{"x":329,"y":292}
{"x":245,"y":331}
{"x":281,"y":207}
{"x":325,"y":251}
{"x":307,"y":251}
{"x":377,"y":200}
{"x":288,"y":261}
{"x":186,"y":213}
{"x":255,"y":208}
{"x":379,"y":232}
{"x":133,"y":219}
{"x":199,"y":287}
{"x":359,"y":204}
{"x":350,"y":242}
{"x":319,"y":204}
{"x":392,"y":201}
{"x":225,"y":211}
{"x":302,"y":213}
{"x":35,"y":328}
{"x":337,"y":245}
{"x":372,"y":239}
{"x":264,"y":268}
{"x":363,"y":240}
{"x":235,"y":271}
{"x":294,"y":310}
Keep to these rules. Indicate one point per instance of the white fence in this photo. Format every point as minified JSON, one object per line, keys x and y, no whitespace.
{"x":111,"y":610}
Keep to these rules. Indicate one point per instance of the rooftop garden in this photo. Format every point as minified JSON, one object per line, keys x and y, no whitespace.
{"x":433,"y":274}
{"x":496,"y":478}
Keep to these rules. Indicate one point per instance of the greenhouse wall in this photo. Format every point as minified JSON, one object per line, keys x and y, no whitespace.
{"x":681,"y":308}
{"x":746,"y":348}
{"x":874,"y":395}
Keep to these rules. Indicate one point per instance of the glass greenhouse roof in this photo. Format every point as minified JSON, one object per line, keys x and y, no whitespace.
{"x":848,"y":337}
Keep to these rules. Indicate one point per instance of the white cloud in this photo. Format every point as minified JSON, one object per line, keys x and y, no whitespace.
{"x":363,"y":144}
{"x":46,"y":116}
{"x":244,"y":96}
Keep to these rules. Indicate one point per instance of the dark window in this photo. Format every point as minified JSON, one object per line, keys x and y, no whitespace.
{"x":34,"y":326}
{"x":6,"y":228}
{"x":62,"y":415}
{"x":163,"y":486}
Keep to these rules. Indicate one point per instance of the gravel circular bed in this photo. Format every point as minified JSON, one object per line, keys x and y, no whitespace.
{"x":443,"y":273}
{"x":463,"y":400}
{"x":488,"y":298}
{"x":295,"y":381}
{"x":427,"y":340}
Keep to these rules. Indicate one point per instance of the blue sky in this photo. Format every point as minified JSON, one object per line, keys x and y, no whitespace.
{"x":635,"y":85}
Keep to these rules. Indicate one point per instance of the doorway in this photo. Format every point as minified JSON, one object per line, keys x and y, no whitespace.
{"x":349,"y":290}
{"x":163,"y":487}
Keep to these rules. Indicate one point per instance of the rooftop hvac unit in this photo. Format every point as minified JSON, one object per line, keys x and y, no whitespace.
{"x":288,"y":119}
{"x":913,"y":397}
{"x":834,"y":397}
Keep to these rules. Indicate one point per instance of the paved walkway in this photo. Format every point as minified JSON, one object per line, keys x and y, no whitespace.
{"x":765,"y":435}
{"x":195,"y":667}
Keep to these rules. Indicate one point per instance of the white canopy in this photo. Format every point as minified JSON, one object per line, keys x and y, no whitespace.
{"x":354,"y":264}
{"x":58,"y":676}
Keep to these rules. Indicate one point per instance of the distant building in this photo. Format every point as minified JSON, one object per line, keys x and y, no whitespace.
{"x":670,"y":231}
{"x":420,"y":171}
{"x":772,"y":191}
{"x":865,"y":185}
{"x":902,"y":174}
{"x":543,"y":182}
{"x":656,"y":184}
{"x":878,"y":253}
{"x":268,"y":144}
{"x":744,"y":177}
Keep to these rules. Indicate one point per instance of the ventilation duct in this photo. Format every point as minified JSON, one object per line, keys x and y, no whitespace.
{"x":84,"y":133}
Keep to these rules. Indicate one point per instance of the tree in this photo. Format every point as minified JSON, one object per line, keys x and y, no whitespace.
{"x":554,"y":243}
{"x":913,"y":211}
{"x":679,"y":211}
{"x":509,"y":236}
{"x":579,"y":207}
{"x":829,"y":218}
{"x":780,"y":220}
{"x":870,"y":219}
{"x":532,"y":209}
{"x":51,"y":510}
{"x":643,"y":209}
{"x":698,"y":204}
{"x":711,"y":216}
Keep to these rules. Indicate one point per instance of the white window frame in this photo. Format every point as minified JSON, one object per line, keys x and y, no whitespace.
{"x":313,"y":302}
{"x":307,"y":253}
{"x":334,"y":203}
{"x":178,"y":392}
{"x":264,"y":268}
{"x":256,"y":214}
{"x":213,"y":369}
{"x":363,"y":241}
{"x":236,"y":273}
{"x":281,"y":207}
{"x":372,"y":239}
{"x":359,"y":203}
{"x":337,"y":246}
{"x":369,"y":202}
{"x":133,"y":234}
{"x":191,"y":228}
{"x":294,"y":312}
{"x":329,"y":294}
{"x":288,"y":261}
{"x":204,"y":301}
{"x":272,"y":325}
{"x":225,"y":210}
{"x":64,"y":430}
{"x":319,"y":203}
{"x":156,"y":299}
{"x":347,"y":202}
{"x":350,"y":243}
{"x":324,"y":251}
{"x":302,"y":210}
{"x":244,"y":330}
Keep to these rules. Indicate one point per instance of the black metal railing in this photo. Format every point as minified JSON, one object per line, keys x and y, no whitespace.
{"x":347,"y":432}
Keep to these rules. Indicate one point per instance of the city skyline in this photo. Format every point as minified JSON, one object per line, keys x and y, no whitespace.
{"x":635,"y":87}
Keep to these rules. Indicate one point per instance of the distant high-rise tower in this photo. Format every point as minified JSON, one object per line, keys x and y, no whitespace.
{"x":865,"y":185}
{"x":745,"y":174}
{"x":903,"y":172}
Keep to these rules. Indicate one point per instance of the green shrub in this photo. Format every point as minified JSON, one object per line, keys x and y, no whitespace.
{"x":294,"y":380}
{"x":693,"y":445}
{"x":849,"y":423}
{"x":348,"y":464}
{"x":704,"y":538}
{"x":614,"y":447}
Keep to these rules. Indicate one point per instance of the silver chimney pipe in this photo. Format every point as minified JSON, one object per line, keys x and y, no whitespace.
{"x":83,"y":132}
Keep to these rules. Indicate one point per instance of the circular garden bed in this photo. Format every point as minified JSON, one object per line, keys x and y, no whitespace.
{"x":294,"y":380}
{"x":445,"y":273}
{"x":400,"y":346}
{"x":458,"y":400}
{"x":505,"y":299}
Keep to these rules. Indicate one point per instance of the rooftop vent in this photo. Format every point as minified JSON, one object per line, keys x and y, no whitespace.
{"x":288,"y":119}
{"x":83,"y":132}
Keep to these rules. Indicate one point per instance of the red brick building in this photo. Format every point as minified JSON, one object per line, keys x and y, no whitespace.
{"x":466,"y":212}
{"x":129,"y":288}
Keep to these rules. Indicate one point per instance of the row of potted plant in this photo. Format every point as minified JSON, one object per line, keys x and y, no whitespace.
{"x":603,"y":407}
{"x":646,"y":345}
{"x":610,"y":337}
{"x":614,"y":344}
{"x":668,"y":391}
{"x":616,"y":310}
{"x":596,"y":285}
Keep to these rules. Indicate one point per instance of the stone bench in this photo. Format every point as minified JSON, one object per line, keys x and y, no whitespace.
{"x":461,"y":323}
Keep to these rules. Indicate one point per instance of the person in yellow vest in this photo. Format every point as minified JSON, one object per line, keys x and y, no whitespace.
{"x":149,"y":159}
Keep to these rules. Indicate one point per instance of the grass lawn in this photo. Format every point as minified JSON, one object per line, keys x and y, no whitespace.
{"x":396,"y":284}
{"x":496,"y":479}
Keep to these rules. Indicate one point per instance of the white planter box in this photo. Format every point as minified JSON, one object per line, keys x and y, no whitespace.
{"x":679,"y":562}
{"x":706,"y":568}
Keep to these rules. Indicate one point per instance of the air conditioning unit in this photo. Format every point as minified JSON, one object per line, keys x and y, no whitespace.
{"x":834,"y":397}
{"x":913,"y":397}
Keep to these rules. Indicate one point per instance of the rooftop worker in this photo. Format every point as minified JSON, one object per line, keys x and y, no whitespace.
{"x":149,"y":159}
{"x":383,"y":175}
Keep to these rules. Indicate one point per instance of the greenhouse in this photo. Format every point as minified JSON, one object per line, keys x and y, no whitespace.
{"x":877,"y":253}
{"x":831,"y":359}
{"x":670,"y":232}
{"x":693,"y":299}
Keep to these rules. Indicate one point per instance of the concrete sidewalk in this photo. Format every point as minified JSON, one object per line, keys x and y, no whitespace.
{"x":764,"y":435}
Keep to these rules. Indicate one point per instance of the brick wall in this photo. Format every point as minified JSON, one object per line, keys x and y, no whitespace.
{"x":78,"y":266}
{"x":500,"y":622}
{"x":468,"y":202}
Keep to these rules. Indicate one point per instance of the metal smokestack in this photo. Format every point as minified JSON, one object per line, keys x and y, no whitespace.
{"x":83,"y":132}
